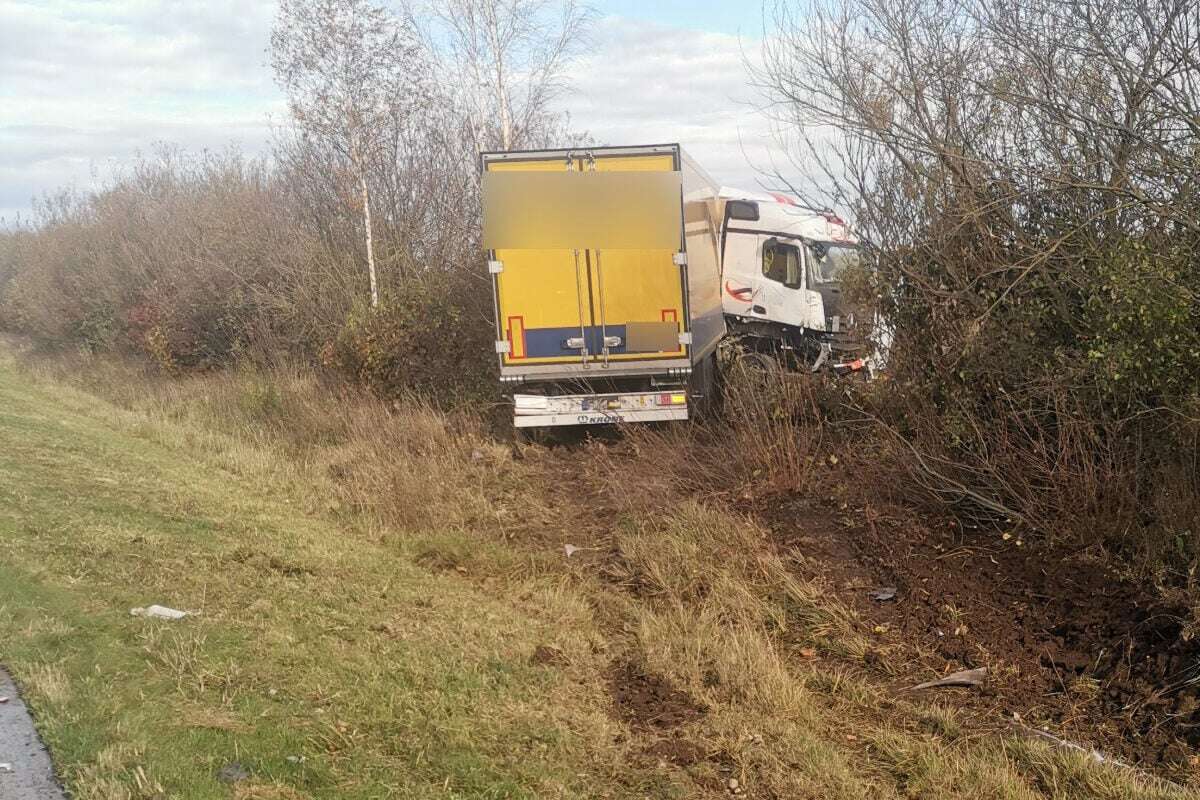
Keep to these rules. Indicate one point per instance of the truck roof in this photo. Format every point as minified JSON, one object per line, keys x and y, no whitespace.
{"x":784,"y":214}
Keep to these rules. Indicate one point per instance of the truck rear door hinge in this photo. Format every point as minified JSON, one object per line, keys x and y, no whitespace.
{"x":680,"y":259}
{"x":495,"y":267}
{"x":685,"y":337}
{"x":503,"y":347}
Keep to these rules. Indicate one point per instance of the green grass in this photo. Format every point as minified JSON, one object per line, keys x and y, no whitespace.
{"x":312,"y":639}
{"x":370,"y":583}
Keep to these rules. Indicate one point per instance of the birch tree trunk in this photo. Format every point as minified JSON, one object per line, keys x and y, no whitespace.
{"x":505,"y":122}
{"x":498,"y":48}
{"x":366,"y":210}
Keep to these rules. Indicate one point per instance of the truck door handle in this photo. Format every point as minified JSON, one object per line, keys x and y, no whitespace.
{"x":758,"y":309}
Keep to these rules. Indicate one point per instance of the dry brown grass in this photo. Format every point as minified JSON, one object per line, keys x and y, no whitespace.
{"x":116,"y":772}
{"x":674,"y":580}
{"x":769,"y":439}
{"x":49,"y":683}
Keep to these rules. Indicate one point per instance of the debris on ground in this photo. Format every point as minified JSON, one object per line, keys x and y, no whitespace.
{"x":159,"y":612}
{"x":5,"y":766}
{"x":1056,"y":617}
{"x":883,"y":594}
{"x":1093,"y":754}
{"x":964,"y":677}
{"x":232,"y":773}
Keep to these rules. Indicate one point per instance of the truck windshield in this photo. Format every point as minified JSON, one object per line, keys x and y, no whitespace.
{"x":828,"y":262}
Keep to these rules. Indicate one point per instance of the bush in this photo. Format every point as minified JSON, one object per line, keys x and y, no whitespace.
{"x":1032,"y":244}
{"x":197,"y":263}
{"x":183,"y":260}
{"x":1142,"y":327}
{"x":433,"y":338}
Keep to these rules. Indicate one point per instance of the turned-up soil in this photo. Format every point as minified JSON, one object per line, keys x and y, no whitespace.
{"x":1068,"y":643}
{"x":1071,"y":645}
{"x":650,"y":704}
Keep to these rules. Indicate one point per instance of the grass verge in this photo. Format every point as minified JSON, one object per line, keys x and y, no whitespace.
{"x":384,"y":609}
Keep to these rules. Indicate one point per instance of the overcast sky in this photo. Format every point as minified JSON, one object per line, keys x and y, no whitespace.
{"x":87,"y":84}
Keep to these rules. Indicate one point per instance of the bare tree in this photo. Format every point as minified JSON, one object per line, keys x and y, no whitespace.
{"x":1092,"y":103}
{"x":506,"y":61}
{"x":1025,"y":174}
{"x":350,"y":69}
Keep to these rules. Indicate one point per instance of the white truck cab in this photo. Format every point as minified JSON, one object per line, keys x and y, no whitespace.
{"x":781,"y":271}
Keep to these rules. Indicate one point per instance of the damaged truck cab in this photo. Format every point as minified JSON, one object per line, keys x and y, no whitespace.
{"x":781,"y":276}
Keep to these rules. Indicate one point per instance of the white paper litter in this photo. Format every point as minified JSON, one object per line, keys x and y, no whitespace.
{"x":159,"y":612}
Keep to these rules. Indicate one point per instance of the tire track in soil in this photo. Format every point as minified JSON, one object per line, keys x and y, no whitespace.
{"x":1069,"y":643}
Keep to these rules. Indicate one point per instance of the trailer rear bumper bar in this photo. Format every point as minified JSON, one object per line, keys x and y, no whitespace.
{"x":542,"y":411}
{"x":680,"y":367}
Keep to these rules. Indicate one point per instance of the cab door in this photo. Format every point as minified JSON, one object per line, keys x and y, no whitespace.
{"x":781,"y":286}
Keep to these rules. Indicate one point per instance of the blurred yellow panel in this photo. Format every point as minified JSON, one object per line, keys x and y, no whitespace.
{"x":641,"y":287}
{"x":625,"y":210}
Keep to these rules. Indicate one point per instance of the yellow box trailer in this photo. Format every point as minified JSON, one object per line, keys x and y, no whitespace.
{"x":605,"y":268}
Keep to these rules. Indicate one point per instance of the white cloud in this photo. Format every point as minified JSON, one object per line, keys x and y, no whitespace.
{"x":84,"y":86}
{"x":137,"y":48}
{"x":87,"y":84}
{"x":644,"y":83}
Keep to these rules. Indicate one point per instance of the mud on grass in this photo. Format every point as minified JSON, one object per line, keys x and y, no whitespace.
{"x":1069,"y":642}
{"x":857,"y":657}
{"x":650,"y":704}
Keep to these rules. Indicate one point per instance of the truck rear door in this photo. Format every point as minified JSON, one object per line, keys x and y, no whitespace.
{"x":590,"y":305}
{"x":542,"y":293}
{"x":637,"y":295}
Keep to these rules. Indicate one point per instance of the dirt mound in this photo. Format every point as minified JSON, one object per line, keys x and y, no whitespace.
{"x":646,"y":700}
{"x":651,"y":705}
{"x":1068,"y":642}
{"x":548,"y":656}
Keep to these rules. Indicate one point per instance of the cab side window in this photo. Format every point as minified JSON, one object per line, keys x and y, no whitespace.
{"x":781,"y":263}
